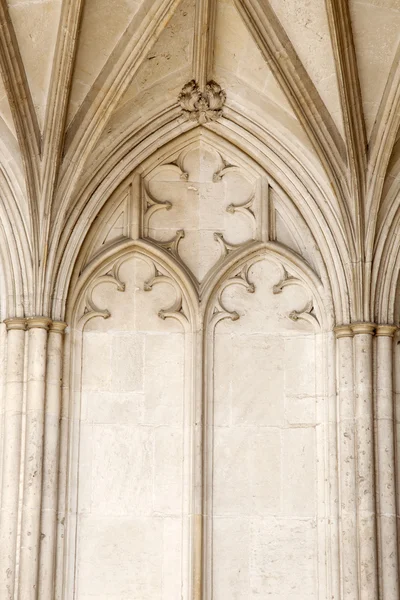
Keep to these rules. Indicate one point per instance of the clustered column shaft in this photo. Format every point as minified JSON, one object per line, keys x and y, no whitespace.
{"x":386,"y":483}
{"x":29,"y":498}
{"x":369,"y":561}
{"x":11,"y":455}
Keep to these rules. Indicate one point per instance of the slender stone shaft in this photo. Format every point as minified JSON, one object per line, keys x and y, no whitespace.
{"x":33,"y":464}
{"x":11,"y":455}
{"x":50,"y":460}
{"x":347,"y":464}
{"x":386,"y":485}
{"x":366,"y":506}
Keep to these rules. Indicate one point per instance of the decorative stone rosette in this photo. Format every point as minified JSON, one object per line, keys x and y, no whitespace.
{"x":202,"y":106}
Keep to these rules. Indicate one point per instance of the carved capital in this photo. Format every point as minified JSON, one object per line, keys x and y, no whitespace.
{"x":386,"y":330}
{"x":38,"y":323}
{"x":58,"y":327}
{"x":15,"y":323}
{"x":363,"y":328}
{"x":343,"y":331}
{"x":202,"y":106}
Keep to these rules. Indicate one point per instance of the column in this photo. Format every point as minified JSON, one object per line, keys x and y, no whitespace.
{"x":51,"y":460}
{"x":11,"y":455}
{"x":365,"y":459}
{"x":347,"y":463}
{"x":33,"y":460}
{"x":386,"y":484}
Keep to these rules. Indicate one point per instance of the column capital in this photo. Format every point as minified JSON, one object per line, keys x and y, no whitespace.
{"x":363,"y":328}
{"x":58,"y":326}
{"x":343,"y":331}
{"x":15,"y":323}
{"x":386,"y":330}
{"x":38,"y":323}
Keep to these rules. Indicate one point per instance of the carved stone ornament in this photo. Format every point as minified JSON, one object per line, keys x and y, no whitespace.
{"x":202,"y":106}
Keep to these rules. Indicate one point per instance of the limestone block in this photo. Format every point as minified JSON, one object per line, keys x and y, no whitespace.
{"x":257,"y":380}
{"x":247,"y":471}
{"x":299,"y":472}
{"x":200,"y":252}
{"x":85,"y":480}
{"x":172,"y":558}
{"x":120,"y":556}
{"x":223,"y":380}
{"x":113,"y":407}
{"x":168,"y":461}
{"x":96,"y":368}
{"x":122,"y":469}
{"x":300,"y":366}
{"x":127,"y":362}
{"x":231,"y":557}
{"x":282,"y":558}
{"x":164,"y":379}
{"x":300,"y":410}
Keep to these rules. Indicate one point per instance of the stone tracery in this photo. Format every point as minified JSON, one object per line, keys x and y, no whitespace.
{"x":260,"y":229}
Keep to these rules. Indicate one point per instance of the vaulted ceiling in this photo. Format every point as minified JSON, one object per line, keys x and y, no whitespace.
{"x":84,"y":80}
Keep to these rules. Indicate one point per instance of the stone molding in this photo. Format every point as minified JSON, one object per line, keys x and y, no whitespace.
{"x":15,"y":323}
{"x":35,"y":323}
{"x":364,"y":329}
{"x":386,"y":330}
{"x":343,"y":331}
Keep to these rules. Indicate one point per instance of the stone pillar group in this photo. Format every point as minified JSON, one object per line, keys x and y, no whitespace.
{"x":369,"y":551}
{"x":366,"y":460}
{"x":30,"y":459}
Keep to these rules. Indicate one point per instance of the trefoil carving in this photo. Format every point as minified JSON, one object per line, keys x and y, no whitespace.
{"x":307,"y":314}
{"x":175,"y":311}
{"x":202,"y":106}
{"x":90,"y":309}
{"x":220,"y":312}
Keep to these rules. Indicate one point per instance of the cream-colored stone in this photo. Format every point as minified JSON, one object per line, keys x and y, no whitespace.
{"x":306,"y":24}
{"x":376,"y":28}
{"x":132,"y":567}
{"x":102,"y":26}
{"x":167,"y":479}
{"x":299,"y":472}
{"x":127,"y":362}
{"x":263,"y":311}
{"x":36,"y":27}
{"x":198,"y":205}
{"x":247,"y":471}
{"x":113,"y":407}
{"x":282,"y":558}
{"x":299,"y":355}
{"x":235,"y":50}
{"x":220,"y":422}
{"x":128,"y":484}
{"x":231,"y":557}
{"x":97,"y":352}
{"x":257,"y":381}
{"x":164,"y":361}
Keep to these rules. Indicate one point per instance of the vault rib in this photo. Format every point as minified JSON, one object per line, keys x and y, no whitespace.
{"x":204,"y":38}
{"x":56,"y":113}
{"x":354,"y":126}
{"x":23,"y":111}
{"x":295,"y":82}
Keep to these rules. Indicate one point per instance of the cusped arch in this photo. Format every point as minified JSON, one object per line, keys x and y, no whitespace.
{"x":105,"y":261}
{"x":302,"y":188}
